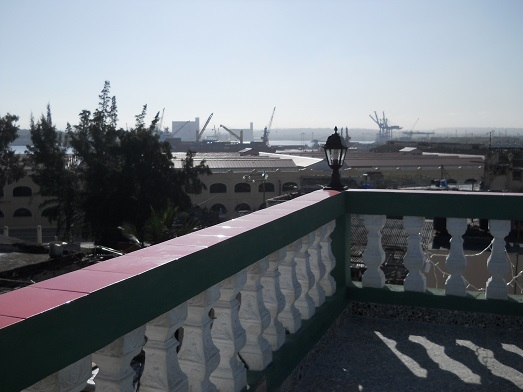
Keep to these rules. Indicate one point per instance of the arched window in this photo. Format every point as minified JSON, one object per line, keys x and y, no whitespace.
{"x":242,"y":209}
{"x":1,"y":214}
{"x":219,"y":209}
{"x":1,"y":191}
{"x":218,"y":188}
{"x":269,"y":187}
{"x":289,"y":186}
{"x":242,"y":187}
{"x":49,"y":211}
{"x":22,"y":191}
{"x":22,"y":213}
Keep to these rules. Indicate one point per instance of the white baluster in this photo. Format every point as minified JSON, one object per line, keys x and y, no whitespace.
{"x":317,"y":292}
{"x":373,"y":256}
{"x":498,"y":263}
{"x":72,"y":378}
{"x":456,"y":261}
{"x":255,"y":318}
{"x":304,"y":302}
{"x":327,"y":281}
{"x":414,"y":260}
{"x":198,"y":356}
{"x":229,"y":336}
{"x":291,"y":289}
{"x":274,"y":300}
{"x":114,"y":362}
{"x":162,"y":371}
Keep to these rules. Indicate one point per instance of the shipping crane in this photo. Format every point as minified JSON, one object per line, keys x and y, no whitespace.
{"x":385,"y":129}
{"x":199,"y":134}
{"x":160,"y":123}
{"x":267,"y":130}
{"x":240,"y":138}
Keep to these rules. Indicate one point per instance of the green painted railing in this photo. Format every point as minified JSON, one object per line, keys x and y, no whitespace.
{"x":45,"y":328}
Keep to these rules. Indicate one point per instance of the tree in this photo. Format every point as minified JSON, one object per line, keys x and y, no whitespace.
{"x":11,"y":168}
{"x":54,"y":173}
{"x":124,"y":175}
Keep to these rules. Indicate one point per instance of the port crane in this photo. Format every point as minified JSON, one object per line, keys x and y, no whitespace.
{"x":199,"y":134}
{"x":385,"y":129}
{"x":267,"y":130}
{"x":412,"y":132}
{"x":160,"y":123}
{"x":240,"y":138}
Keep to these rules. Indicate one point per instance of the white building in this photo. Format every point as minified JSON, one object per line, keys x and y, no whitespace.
{"x":187,"y":131}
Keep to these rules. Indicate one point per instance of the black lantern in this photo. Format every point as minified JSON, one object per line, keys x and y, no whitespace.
{"x":335,"y":152}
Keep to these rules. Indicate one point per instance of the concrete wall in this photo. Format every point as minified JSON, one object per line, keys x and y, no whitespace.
{"x":233,"y":201}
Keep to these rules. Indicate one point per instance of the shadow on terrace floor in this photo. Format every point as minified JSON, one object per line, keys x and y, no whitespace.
{"x":372,"y":354}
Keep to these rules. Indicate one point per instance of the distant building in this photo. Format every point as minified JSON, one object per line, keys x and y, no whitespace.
{"x":187,"y":131}
{"x":236,"y":185}
{"x":503,"y":169}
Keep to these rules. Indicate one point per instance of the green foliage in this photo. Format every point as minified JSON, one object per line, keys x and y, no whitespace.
{"x":124,"y":176}
{"x":114,"y":175}
{"x":55,"y":173}
{"x":11,"y":168}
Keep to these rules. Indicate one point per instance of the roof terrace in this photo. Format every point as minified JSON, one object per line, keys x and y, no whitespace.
{"x":266,"y":302}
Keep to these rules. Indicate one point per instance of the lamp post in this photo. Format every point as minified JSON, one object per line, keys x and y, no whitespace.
{"x":263,"y":179}
{"x":335,"y":152}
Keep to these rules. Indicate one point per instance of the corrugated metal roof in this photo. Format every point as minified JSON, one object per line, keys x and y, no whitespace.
{"x":233,"y":161}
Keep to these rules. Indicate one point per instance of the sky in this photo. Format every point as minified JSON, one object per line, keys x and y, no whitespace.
{"x":448,"y":63}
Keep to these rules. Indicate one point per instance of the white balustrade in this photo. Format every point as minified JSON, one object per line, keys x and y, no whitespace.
{"x":498,"y":263}
{"x":414,"y":260}
{"x":198,"y":356}
{"x":374,"y":255}
{"x":161,"y":370}
{"x":304,"y":302}
{"x":327,"y":282}
{"x":114,"y":362}
{"x":291,"y":289}
{"x":456,"y":262}
{"x":274,"y":300}
{"x":72,"y":378}
{"x":229,"y":336}
{"x":255,"y":318}
{"x":318,"y":269}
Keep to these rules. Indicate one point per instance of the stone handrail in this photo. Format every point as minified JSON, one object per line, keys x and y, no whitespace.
{"x":204,"y":308}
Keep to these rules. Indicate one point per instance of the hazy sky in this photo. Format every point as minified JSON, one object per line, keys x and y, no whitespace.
{"x":450,"y":63}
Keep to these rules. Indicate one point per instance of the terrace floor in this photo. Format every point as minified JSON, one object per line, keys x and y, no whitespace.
{"x":379,"y":354}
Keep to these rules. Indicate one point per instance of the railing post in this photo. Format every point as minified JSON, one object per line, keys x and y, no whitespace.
{"x":373,"y":256}
{"x":229,"y":336}
{"x":255,"y":317}
{"x":274,"y":300}
{"x":198,"y":356}
{"x":317,"y":267}
{"x":498,"y":263}
{"x":304,"y":303}
{"x":414,"y":260}
{"x":327,"y":282}
{"x":114,"y":362}
{"x":162,"y":371}
{"x":39,"y":238}
{"x":72,"y":378}
{"x":456,"y":261}
{"x":291,"y":289}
